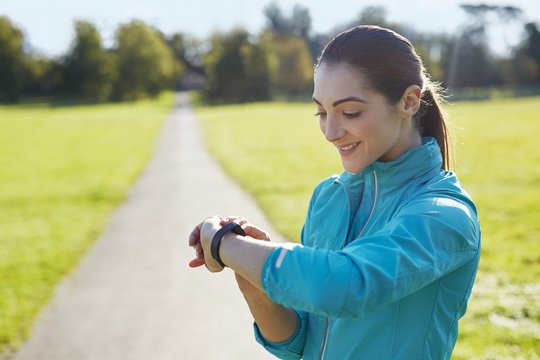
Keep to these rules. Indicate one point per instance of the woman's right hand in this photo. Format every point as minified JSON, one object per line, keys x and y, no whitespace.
{"x":250,"y":229}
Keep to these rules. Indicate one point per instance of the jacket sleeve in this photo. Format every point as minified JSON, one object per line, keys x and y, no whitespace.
{"x":293,"y":347}
{"x":427,"y":239}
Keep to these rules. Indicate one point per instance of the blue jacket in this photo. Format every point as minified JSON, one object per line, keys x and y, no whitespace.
{"x":387,"y":265}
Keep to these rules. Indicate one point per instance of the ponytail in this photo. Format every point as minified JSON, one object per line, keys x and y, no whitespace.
{"x":430,"y":120}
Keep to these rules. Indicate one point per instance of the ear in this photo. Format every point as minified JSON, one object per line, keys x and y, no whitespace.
{"x":410,"y":101}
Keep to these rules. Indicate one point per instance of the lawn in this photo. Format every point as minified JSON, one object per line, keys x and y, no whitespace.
{"x":276,"y":152}
{"x":62,"y":170}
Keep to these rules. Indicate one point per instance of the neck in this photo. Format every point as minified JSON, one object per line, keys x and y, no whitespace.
{"x":406,"y":143}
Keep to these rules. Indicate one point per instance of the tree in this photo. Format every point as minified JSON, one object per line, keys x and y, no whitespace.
{"x":470,"y":60}
{"x":291,"y":65}
{"x":532,"y":46}
{"x":429,"y":48}
{"x":520,"y":69}
{"x":42,"y":76}
{"x":301,"y":21}
{"x":297,"y":25}
{"x":189,"y":57}
{"x":292,"y":49}
{"x":237,"y":69}
{"x":467,"y":61}
{"x":257,"y":82}
{"x":89,"y":71}
{"x":146,"y":64}
{"x":370,"y":15}
{"x":373,"y":15}
{"x":277,"y":22}
{"x":11,"y":61}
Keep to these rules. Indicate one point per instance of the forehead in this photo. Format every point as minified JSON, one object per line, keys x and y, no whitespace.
{"x":336,"y":81}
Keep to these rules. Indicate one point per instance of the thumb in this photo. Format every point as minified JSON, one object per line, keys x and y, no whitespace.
{"x":195,"y":263}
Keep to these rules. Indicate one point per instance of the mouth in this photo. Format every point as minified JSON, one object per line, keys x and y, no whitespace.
{"x":348,"y":149}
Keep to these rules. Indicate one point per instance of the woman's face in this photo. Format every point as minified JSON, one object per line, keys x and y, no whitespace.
{"x":359,"y":122}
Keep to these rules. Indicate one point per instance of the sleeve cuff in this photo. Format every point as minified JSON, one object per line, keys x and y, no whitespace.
{"x":293,"y":346}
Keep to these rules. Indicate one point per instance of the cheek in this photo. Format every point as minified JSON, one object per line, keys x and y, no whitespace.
{"x":377,"y":128}
{"x":322,"y":126}
{"x":361,"y":128}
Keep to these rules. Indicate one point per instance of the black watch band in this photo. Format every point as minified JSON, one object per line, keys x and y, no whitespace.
{"x":216,"y":240}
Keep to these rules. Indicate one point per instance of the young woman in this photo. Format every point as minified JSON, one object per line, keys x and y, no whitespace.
{"x":390,"y":247}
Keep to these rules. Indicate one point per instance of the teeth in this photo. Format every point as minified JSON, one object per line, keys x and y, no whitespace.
{"x":348,"y":147}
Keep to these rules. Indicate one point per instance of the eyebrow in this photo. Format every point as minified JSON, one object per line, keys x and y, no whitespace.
{"x":344,"y":100}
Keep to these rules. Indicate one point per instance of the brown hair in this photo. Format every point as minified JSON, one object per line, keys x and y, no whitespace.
{"x":390,"y":64}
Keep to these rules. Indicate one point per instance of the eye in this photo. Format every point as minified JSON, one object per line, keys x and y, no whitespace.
{"x":320,"y":114}
{"x":352,"y":114}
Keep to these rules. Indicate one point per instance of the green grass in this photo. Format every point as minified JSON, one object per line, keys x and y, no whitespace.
{"x":62,"y":171}
{"x":277,"y":153}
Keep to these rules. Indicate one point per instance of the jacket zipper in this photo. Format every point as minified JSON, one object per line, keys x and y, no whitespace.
{"x":325,"y":338}
{"x":327,"y":321}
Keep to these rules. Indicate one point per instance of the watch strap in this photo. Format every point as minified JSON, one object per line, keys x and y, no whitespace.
{"x":216,"y":240}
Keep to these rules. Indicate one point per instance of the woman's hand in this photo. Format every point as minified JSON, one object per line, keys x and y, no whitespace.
{"x":209,"y":228}
{"x":250,"y":229}
{"x":200,"y":239}
{"x":195,"y":243}
{"x":276,"y":322}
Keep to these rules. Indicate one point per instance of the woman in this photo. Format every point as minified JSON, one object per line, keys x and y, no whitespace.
{"x":390,"y":247}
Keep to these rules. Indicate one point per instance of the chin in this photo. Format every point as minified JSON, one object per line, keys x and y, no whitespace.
{"x":353,"y":168}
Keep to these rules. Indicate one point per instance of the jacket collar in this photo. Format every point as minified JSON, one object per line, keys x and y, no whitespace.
{"x":417,"y":162}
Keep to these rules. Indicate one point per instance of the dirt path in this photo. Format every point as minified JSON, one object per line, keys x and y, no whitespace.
{"x":133,"y":296}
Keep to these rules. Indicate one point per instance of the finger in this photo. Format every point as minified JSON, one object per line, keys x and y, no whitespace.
{"x":250,"y":230}
{"x":195,"y":235}
{"x":193,"y":240}
{"x":228,"y":219}
{"x":237,"y":219}
{"x":196,"y":263}
{"x":199,"y":252}
{"x":256,"y":233}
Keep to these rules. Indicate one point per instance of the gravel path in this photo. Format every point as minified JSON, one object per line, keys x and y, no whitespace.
{"x":133,"y":296}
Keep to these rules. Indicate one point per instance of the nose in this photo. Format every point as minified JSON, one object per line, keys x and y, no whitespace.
{"x":332,"y":129}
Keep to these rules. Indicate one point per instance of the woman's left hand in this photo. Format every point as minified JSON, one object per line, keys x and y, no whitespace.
{"x":209,"y":228}
{"x":200,"y":239}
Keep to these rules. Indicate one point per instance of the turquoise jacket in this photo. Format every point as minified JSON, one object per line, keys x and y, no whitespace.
{"x":387,"y":265}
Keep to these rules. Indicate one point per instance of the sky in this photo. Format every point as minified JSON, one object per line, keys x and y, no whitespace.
{"x":48,"y":25}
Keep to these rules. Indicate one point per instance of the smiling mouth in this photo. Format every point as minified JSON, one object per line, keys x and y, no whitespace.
{"x":345,"y":150}
{"x":348,"y":147}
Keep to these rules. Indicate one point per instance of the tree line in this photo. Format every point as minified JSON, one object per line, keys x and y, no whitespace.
{"x":141,"y":64}
{"x":237,"y":66}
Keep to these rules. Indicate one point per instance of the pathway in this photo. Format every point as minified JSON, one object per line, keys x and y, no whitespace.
{"x":132,"y":296}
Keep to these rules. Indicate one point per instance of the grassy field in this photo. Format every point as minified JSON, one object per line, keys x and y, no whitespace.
{"x":62,"y":171}
{"x":276,"y":152}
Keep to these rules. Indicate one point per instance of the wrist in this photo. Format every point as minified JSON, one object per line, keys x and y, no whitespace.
{"x":231,"y":228}
{"x":228,"y":243}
